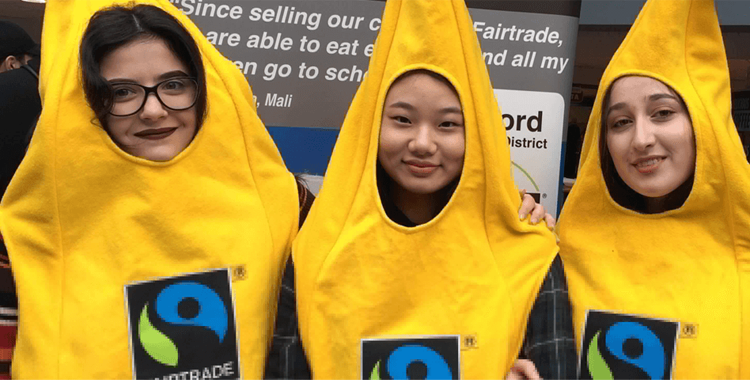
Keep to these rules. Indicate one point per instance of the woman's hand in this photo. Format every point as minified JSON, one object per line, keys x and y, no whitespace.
{"x":529,"y":206}
{"x":523,"y":369}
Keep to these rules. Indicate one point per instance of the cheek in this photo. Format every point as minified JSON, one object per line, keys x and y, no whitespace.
{"x":458,"y":149}
{"x":192,"y":121}
{"x":117,"y":128}
{"x":684,"y":143}
{"x":618,"y":147}
{"x":390,"y":142}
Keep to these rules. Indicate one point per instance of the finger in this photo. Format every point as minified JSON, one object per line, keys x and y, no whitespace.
{"x":522,"y":192}
{"x":514,"y":375}
{"x":537,"y":214}
{"x":527,"y":369}
{"x":527,"y":206}
{"x":550,"y":221}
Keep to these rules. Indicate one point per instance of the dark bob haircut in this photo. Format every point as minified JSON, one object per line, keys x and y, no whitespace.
{"x":114,"y":27}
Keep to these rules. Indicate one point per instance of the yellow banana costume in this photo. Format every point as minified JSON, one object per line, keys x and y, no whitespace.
{"x":90,"y":228}
{"x":467,"y":278}
{"x":690,"y":265}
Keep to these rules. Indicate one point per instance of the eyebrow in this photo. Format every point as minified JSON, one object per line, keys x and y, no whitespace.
{"x":172,"y":74}
{"x":662,"y":96}
{"x":410,"y":107}
{"x":167,"y":75}
{"x":654,"y":97}
{"x":451,"y":110}
{"x":403,"y":105}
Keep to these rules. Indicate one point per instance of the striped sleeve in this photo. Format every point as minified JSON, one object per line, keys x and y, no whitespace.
{"x":8,"y":312}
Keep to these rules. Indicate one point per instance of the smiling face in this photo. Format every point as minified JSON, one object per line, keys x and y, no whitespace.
{"x":422,"y":134}
{"x":649,"y":136}
{"x":155,"y":132}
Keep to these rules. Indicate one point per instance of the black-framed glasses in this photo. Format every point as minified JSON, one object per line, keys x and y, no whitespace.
{"x":176,"y":94}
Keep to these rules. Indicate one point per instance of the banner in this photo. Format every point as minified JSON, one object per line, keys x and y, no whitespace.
{"x":305,"y":60}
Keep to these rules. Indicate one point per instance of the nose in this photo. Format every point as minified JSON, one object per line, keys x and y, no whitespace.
{"x":153,"y":109}
{"x":423,"y":141}
{"x":644,"y":137}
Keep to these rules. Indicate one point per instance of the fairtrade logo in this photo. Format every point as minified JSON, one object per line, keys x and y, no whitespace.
{"x":624,"y":346}
{"x":426,"y":358}
{"x":183,"y":326}
{"x":211,"y":314}
{"x":651,"y":359}
{"x":527,"y":175}
{"x":399,"y":361}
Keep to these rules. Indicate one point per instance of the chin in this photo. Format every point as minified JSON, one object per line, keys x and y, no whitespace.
{"x":159,"y":156}
{"x":654,"y":192}
{"x":423,"y":189}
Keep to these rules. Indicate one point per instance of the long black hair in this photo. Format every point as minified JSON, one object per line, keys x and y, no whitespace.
{"x":114,"y":27}
{"x":623,"y":194}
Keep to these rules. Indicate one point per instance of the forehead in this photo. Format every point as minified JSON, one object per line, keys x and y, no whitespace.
{"x":142,"y":60}
{"x":421,"y":86}
{"x":637,"y":88}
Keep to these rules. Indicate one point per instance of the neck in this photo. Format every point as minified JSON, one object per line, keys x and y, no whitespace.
{"x":656,"y":205}
{"x":419,"y":208}
{"x":671,"y":201}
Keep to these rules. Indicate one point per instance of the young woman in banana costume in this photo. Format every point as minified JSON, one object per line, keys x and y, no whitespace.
{"x":655,"y":234}
{"x":413,"y":259}
{"x":151,"y":218}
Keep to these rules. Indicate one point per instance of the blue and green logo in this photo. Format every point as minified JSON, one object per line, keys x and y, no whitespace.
{"x":411,"y":358}
{"x":211,"y":314}
{"x":618,"y":346}
{"x":183,"y":324}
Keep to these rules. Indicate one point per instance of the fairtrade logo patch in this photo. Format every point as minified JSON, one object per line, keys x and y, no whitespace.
{"x":183,"y":327}
{"x":619,"y":346}
{"x":411,"y":358}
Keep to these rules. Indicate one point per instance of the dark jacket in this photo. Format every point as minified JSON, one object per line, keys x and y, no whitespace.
{"x":20,"y":106}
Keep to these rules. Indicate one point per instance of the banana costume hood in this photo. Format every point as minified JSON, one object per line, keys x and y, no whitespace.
{"x":106,"y":246}
{"x":675,"y":282}
{"x":455,"y":292}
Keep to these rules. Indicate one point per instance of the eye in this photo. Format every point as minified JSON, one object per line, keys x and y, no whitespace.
{"x":619,"y":123}
{"x":401,"y":119}
{"x":123,"y":93}
{"x":663,"y":114}
{"x":174,"y":85}
{"x":449,"y":124}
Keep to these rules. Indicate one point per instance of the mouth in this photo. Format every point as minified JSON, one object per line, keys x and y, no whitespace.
{"x":155,"y":134}
{"x":648,"y":164}
{"x":420,"y":168}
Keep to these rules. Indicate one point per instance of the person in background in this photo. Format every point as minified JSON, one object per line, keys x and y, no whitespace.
{"x":19,"y":109}
{"x":19,"y":96}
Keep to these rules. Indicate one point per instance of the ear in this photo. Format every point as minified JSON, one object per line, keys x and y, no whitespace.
{"x":10,"y":63}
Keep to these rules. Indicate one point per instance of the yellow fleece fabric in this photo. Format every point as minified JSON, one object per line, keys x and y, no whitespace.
{"x":691,"y":264}
{"x":473,"y":271}
{"x":82,"y":219}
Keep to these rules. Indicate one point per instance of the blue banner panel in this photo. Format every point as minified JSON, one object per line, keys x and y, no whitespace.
{"x":305,"y":150}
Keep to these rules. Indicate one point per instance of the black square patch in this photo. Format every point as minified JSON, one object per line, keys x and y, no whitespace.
{"x":620,"y":346}
{"x":435,"y":357}
{"x":183,"y":327}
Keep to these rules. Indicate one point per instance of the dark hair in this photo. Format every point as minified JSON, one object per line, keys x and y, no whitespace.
{"x":14,"y":41}
{"x":114,"y":27}
{"x":430,"y":73}
{"x":623,"y":194}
